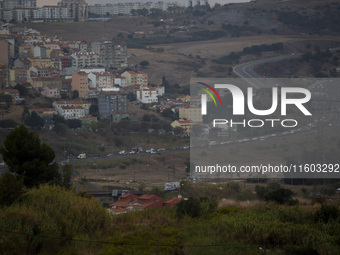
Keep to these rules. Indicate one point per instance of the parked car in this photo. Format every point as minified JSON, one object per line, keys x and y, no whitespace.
{"x":82,"y":155}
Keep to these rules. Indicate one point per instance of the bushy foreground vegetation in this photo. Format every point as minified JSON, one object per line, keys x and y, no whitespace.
{"x":52,"y":220}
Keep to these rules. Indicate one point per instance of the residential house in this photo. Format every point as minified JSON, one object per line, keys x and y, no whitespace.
{"x":26,"y":51}
{"x":87,"y":59}
{"x":183,"y":98}
{"x":147,"y":95}
{"x":80,"y":83}
{"x":191,"y":113}
{"x":120,"y":81}
{"x":185,"y":125}
{"x":114,"y":54}
{"x":41,"y":62}
{"x":18,"y":75}
{"x":40,"y":82}
{"x":65,"y":62}
{"x":172,"y":201}
{"x":39,"y":51}
{"x":47,"y":114}
{"x":14,"y":93}
{"x":136,"y":78}
{"x":130,"y":202}
{"x":101,"y":80}
{"x":70,"y":109}
{"x":50,"y":92}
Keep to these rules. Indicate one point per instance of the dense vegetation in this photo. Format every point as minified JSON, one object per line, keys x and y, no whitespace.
{"x":51,"y":220}
{"x":234,"y":57}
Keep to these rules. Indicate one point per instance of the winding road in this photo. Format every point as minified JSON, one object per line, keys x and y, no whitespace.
{"x":246,"y":70}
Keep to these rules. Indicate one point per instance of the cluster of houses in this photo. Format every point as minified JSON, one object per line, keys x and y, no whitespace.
{"x":58,"y":69}
{"x":131,"y":202}
{"x":92,"y":69}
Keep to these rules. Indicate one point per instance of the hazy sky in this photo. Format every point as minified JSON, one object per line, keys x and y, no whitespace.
{"x":91,"y":2}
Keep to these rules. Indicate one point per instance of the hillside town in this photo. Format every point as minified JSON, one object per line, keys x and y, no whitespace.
{"x":85,"y":80}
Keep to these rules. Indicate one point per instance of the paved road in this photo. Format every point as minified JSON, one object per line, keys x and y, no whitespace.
{"x":246,"y":71}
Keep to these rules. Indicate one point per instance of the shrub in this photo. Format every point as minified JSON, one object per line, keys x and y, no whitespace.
{"x":327,"y":213}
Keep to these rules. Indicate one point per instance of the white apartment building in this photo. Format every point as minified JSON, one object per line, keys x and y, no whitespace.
{"x":7,"y":15}
{"x":22,"y":14}
{"x":101,"y":80}
{"x":70,"y":109}
{"x":126,"y":8}
{"x":147,"y":95}
{"x":54,"y":12}
{"x":120,"y":81}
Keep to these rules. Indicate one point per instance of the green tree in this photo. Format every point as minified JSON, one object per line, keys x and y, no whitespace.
{"x":65,"y":180}
{"x":131,"y":97}
{"x":27,"y":157}
{"x":144,"y":63}
{"x":190,"y":207}
{"x":22,"y":89}
{"x":94,"y":110}
{"x":75,"y":94}
{"x":34,"y":121}
{"x":281,"y":196}
{"x":73,"y":123}
{"x":11,"y":188}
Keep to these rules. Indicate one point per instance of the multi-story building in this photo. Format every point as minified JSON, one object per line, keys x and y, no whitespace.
{"x":101,"y":80}
{"x":114,"y":54}
{"x":70,"y":109}
{"x":120,"y":81}
{"x":88,"y":59}
{"x":193,"y":3}
{"x":83,"y":47}
{"x":185,"y":125}
{"x":5,"y":52}
{"x":126,"y":8}
{"x":111,"y":102}
{"x":7,"y":15}
{"x":193,"y":114}
{"x":136,"y":78}
{"x":66,"y":61}
{"x":23,"y":14}
{"x":51,"y":46}
{"x":93,"y":46}
{"x":147,"y":95}
{"x":44,"y":72}
{"x":11,"y":4}
{"x":51,"y":12}
{"x":41,"y":62}
{"x":19,"y":75}
{"x":25,"y":51}
{"x":81,"y":84}
{"x":40,"y":82}
{"x":77,"y":9}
